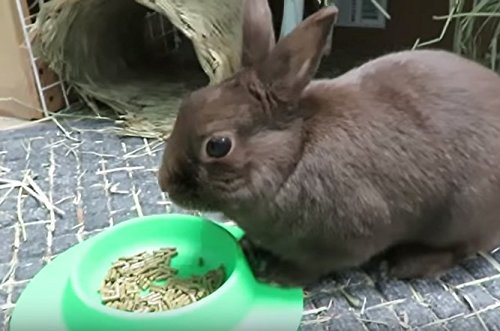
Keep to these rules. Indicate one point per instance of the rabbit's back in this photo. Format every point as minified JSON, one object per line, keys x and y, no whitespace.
{"x":404,"y":140}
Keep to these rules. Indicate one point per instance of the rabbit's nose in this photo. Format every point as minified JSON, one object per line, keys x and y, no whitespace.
{"x":171,"y":177}
{"x":162,"y":182}
{"x":164,"y":178}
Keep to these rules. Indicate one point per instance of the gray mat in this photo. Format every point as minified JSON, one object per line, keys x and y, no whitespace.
{"x":99,"y":180}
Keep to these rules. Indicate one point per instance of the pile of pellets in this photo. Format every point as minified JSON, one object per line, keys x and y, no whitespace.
{"x":146,"y":282}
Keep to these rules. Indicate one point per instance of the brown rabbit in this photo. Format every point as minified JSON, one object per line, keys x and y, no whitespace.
{"x":401,"y":153}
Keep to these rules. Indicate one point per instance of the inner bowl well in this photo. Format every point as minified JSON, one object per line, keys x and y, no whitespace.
{"x":193,"y":238}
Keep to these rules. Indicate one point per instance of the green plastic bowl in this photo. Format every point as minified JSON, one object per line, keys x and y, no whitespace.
{"x":63,"y":296}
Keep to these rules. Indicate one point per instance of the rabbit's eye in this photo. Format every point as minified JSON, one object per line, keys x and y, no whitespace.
{"x":218,"y":147}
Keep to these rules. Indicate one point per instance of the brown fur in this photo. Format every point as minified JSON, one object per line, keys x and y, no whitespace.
{"x":258,"y":31}
{"x":400,"y":154}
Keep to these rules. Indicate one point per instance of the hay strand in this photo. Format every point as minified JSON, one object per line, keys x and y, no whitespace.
{"x":476,"y":31}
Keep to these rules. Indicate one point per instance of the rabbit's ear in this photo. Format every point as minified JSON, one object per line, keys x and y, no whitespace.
{"x":293,"y":62}
{"x":258,"y":32}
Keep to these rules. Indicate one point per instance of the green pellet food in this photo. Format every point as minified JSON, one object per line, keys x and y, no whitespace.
{"x":146,"y":282}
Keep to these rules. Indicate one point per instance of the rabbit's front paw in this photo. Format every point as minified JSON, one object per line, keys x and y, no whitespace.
{"x":280,"y":273}
{"x":268,"y":268}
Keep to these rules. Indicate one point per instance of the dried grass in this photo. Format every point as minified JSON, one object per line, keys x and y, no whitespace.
{"x":99,"y":48}
{"x":476,"y":31}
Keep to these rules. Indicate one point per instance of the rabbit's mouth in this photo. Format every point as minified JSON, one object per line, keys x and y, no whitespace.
{"x":191,"y":200}
{"x":185,"y":191}
{"x":180,"y":187}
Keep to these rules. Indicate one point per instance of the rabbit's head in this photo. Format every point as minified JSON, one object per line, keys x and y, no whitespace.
{"x":235,"y":143}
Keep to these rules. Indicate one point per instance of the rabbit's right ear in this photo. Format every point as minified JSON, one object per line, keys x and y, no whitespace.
{"x":258,"y":31}
{"x":294,"y":60}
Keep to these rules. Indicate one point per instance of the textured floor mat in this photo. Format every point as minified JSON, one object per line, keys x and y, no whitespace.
{"x":97,"y":179}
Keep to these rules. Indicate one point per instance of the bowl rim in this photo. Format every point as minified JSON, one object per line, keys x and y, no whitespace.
{"x":101,"y":309}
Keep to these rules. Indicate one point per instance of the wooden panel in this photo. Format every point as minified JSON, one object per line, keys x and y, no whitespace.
{"x":18,"y":93}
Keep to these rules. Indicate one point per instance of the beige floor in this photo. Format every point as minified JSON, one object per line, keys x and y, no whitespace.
{"x":9,"y":122}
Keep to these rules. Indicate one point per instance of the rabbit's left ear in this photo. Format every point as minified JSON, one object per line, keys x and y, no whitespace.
{"x":293,"y":62}
{"x":258,"y":31}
